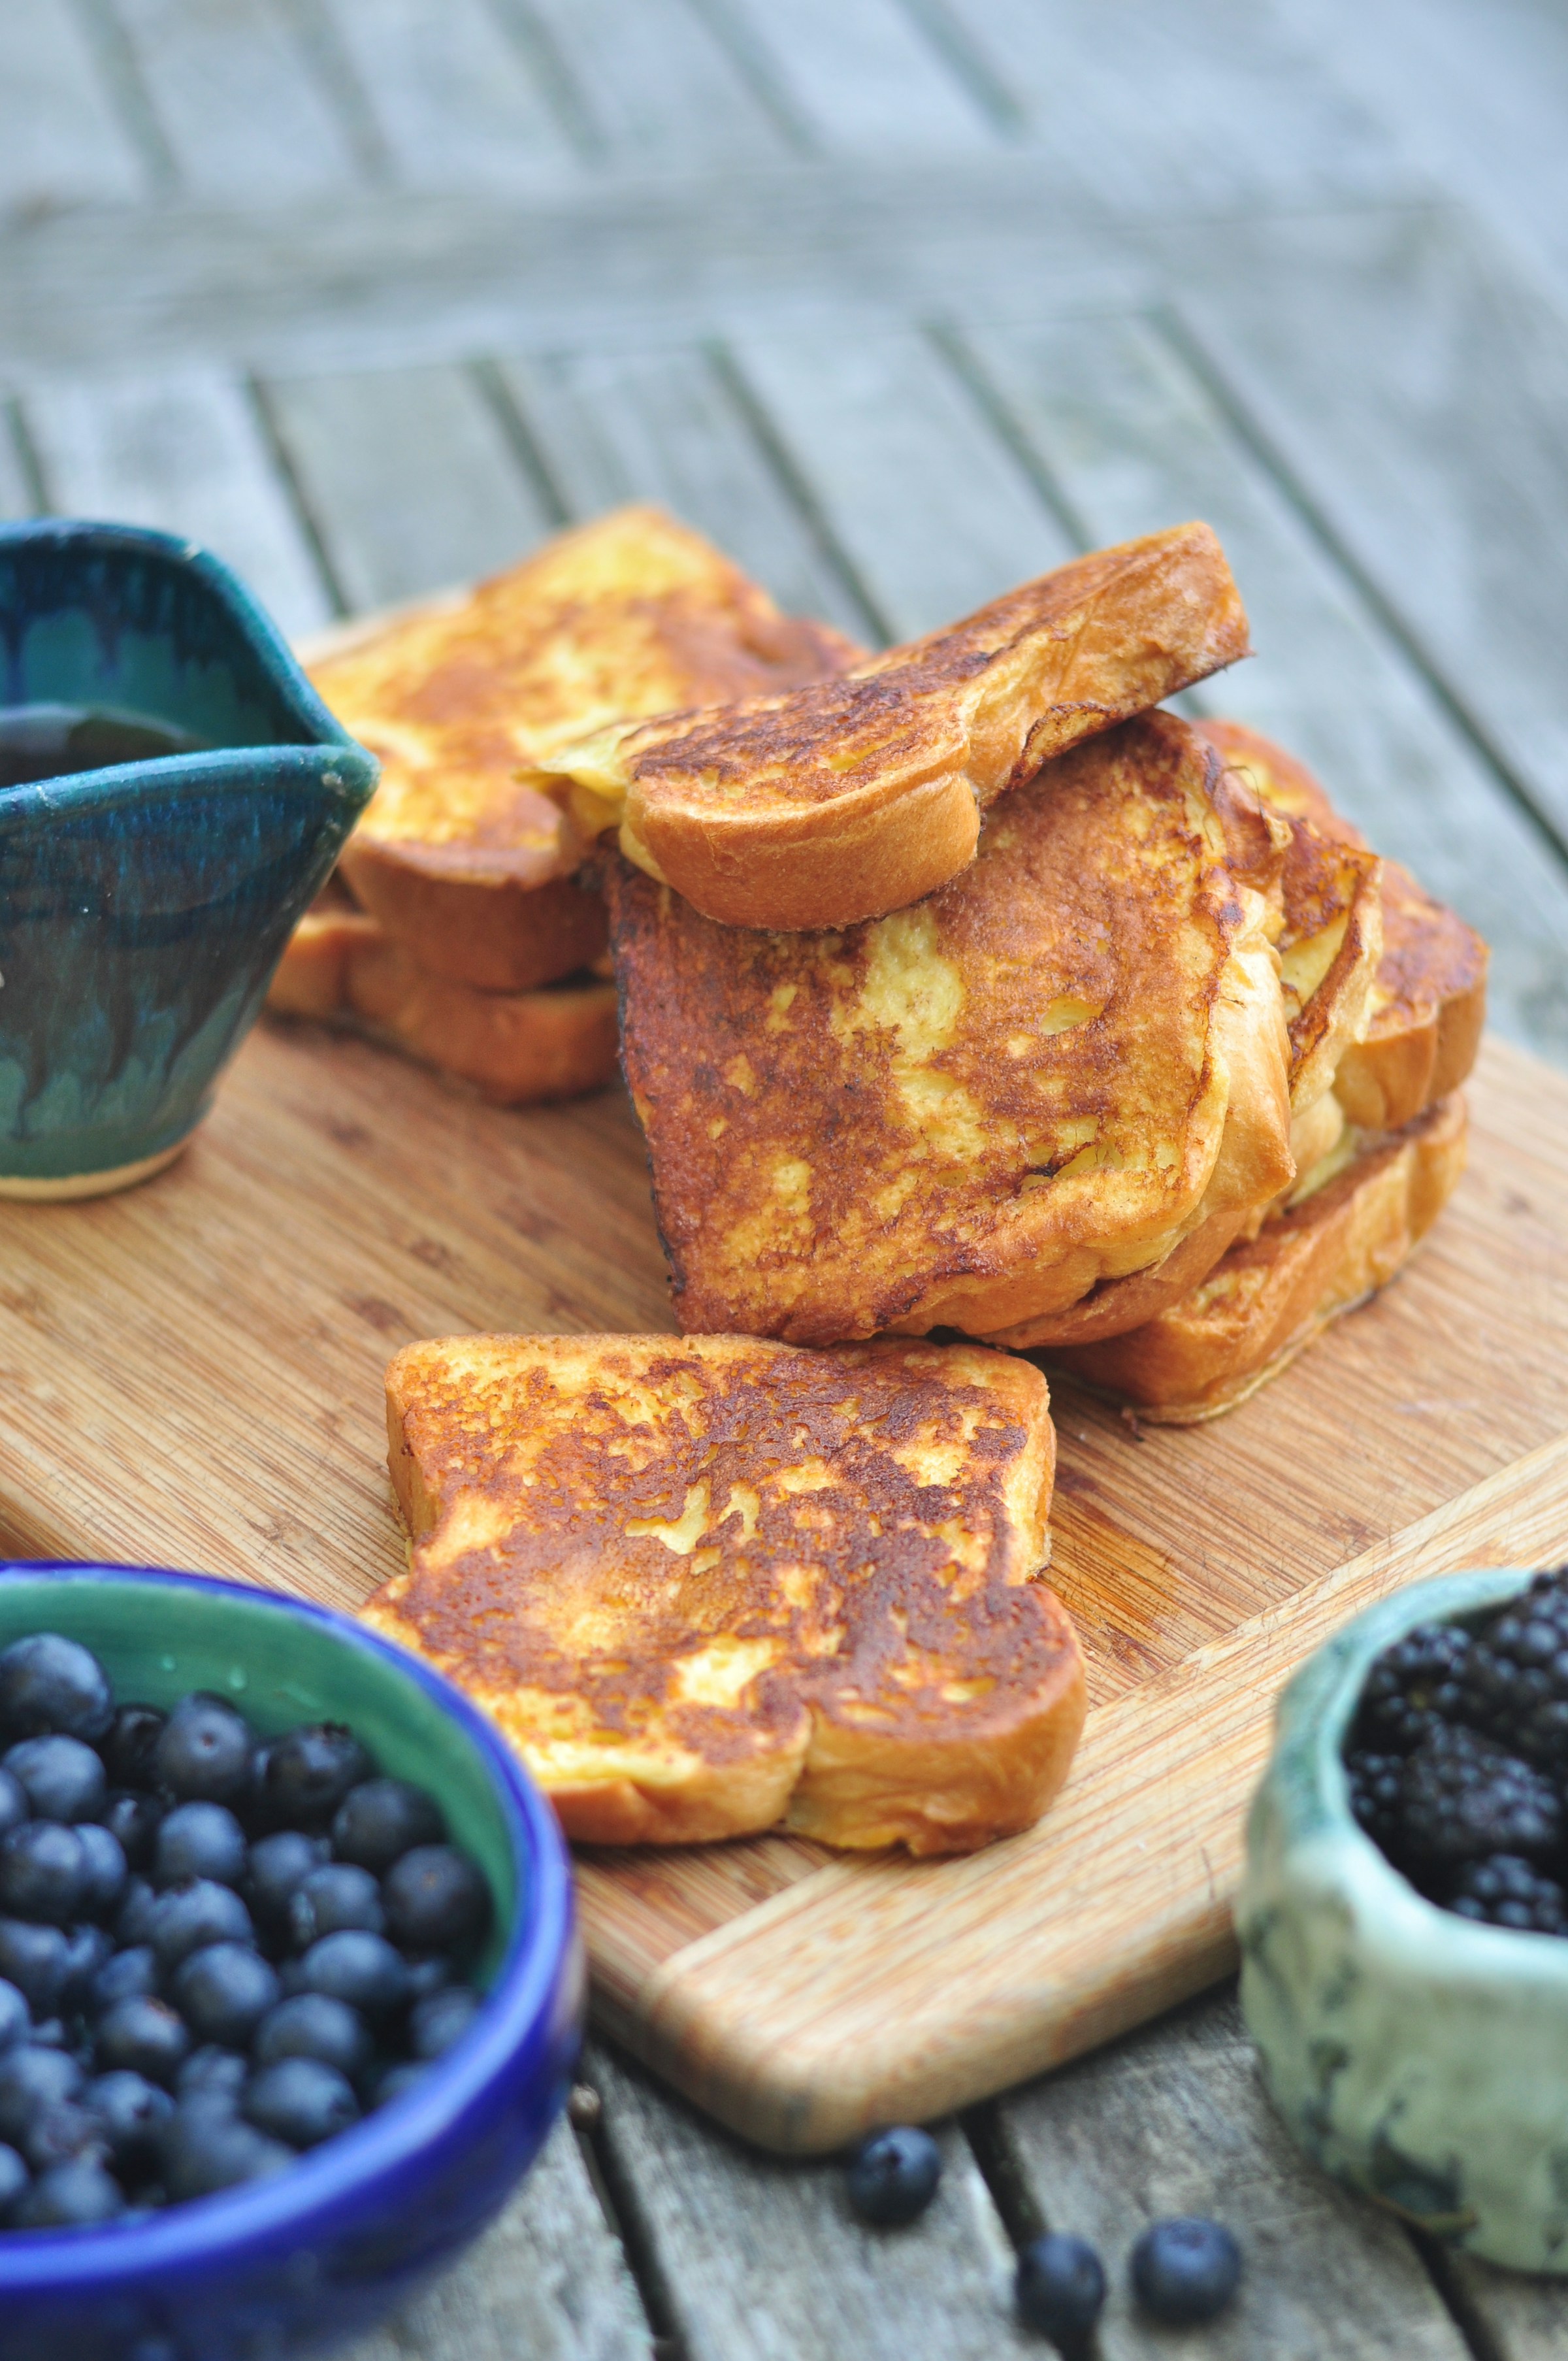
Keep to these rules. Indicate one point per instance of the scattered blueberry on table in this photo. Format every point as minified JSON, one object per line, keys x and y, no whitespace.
{"x":1457,"y":1764}
{"x":893,"y":2175}
{"x":1186,"y":2271}
{"x":216,"y":1951}
{"x":1061,"y":2290}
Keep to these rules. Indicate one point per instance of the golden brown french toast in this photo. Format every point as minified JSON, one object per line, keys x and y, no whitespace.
{"x":710,"y":1586}
{"x":1428,"y":999}
{"x":629,"y":615}
{"x":1272,"y":1295}
{"x":856,"y":795}
{"x":967,"y":1113}
{"x":516,"y":1048}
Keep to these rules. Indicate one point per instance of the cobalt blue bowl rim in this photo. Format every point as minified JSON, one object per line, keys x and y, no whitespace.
{"x":523,"y":1998}
{"x":94,"y":538}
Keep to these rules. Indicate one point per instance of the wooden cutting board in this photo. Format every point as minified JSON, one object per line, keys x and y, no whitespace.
{"x":190,"y":1374}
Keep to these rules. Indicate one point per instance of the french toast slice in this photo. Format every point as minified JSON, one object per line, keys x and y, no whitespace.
{"x":710,"y":1586}
{"x":857,"y":795}
{"x":466,"y":863}
{"x":1267,"y":1299}
{"x":967,"y":1113}
{"x":515,"y":1048}
{"x":1428,"y":1003}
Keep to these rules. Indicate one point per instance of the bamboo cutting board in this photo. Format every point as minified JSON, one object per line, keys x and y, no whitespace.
{"x":190,"y":1374}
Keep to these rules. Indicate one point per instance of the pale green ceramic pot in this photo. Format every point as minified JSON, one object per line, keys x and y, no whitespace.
{"x":1419,"y":2057}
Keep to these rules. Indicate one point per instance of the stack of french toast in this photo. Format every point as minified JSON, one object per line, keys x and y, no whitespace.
{"x":975,"y":1006}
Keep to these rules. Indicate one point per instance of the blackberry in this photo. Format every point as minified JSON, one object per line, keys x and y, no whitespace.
{"x":1516,"y":1675}
{"x":1376,"y":1785}
{"x":1413,"y":1685}
{"x":1463,"y":1797}
{"x":1502,"y":1891}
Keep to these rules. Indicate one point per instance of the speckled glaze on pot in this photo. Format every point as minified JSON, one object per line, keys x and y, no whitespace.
{"x":1421,"y":2057}
{"x":328,"y":2247}
{"x":144,"y":906}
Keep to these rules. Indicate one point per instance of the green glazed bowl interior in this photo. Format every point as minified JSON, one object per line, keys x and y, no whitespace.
{"x":156,"y":1643}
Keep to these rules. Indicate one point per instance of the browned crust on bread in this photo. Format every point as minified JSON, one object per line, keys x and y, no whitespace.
{"x":1270,"y":1297}
{"x":312,"y":977}
{"x":506,"y":938}
{"x":709,"y":1585}
{"x":969,"y":1112}
{"x":856,"y":796}
{"x":1428,"y":1003}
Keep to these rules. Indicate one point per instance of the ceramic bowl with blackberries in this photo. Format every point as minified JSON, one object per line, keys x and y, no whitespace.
{"x":1404,"y":1913}
{"x":289,"y":1991}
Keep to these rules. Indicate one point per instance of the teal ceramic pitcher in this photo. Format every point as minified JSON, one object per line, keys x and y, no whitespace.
{"x":172,"y":794}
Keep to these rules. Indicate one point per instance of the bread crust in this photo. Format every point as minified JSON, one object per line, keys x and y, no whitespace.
{"x":507,"y":938}
{"x":1270,"y":1297}
{"x":853,"y":796}
{"x":709,"y":1585}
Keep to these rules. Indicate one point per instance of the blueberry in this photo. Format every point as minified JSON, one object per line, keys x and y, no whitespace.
{"x":128,"y":1975}
{"x":431,"y":1974}
{"x":893,"y":2175}
{"x":129,"y":1745}
{"x":1061,"y":2288}
{"x":88,"y":1950}
{"x":278,"y":1865}
{"x":14,"y":2181}
{"x":198,"y":1840}
{"x":223,"y":1991}
{"x":200,"y":1912}
{"x":132,"y":1818}
{"x":48,"y":1682}
{"x":436,"y":2022}
{"x":312,"y":2025}
{"x":12,"y":2016}
{"x":435,"y":1900}
{"x":56,"y":2134}
{"x":334,"y":1897}
{"x":393,"y":2081}
{"x":106,"y":1859}
{"x":32,"y":2080}
{"x":131,"y":2114}
{"x":383,"y":1820}
{"x":301,"y":2100}
{"x":71,"y":2197}
{"x":62,"y":1779}
{"x":14,"y":1806}
{"x":34,"y":1959}
{"x":359,"y":1968}
{"x":138,"y":1913}
{"x":303,"y":1776}
{"x":204,"y":2152}
{"x":205,"y":1749}
{"x":49,"y":2033}
{"x":43,"y":1872}
{"x":211,"y":2072}
{"x":1186,"y":2271}
{"x":145,"y":2035}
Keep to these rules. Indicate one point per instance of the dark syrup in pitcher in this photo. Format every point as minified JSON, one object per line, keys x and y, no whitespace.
{"x":50,"y":742}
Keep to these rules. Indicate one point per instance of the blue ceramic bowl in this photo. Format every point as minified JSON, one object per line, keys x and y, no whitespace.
{"x":145,"y":904}
{"x":345,"y":2234}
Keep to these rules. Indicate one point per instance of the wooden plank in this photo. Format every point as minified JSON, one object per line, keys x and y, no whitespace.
{"x":1205,"y":106}
{"x":548,"y":2280}
{"x":665,"y":424}
{"x":862,"y":76}
{"x":61,"y":139}
{"x":1526,"y":2319}
{"x":619,"y":259}
{"x":1174,"y":2121}
{"x":408,"y":476}
{"x":656,"y":87}
{"x":454,"y":98}
{"x":234,"y":93}
{"x":184,"y":451}
{"x":1132,"y":442}
{"x":1416,"y":392}
{"x":932,"y":510}
{"x":763,"y":2261}
{"x":17,"y":495}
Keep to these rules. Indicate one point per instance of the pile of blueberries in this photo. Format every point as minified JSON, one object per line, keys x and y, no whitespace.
{"x":1457,"y":1762}
{"x":1183,"y":2272}
{"x":215,"y":1951}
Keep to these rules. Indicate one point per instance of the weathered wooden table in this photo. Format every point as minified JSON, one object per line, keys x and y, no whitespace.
{"x":900,"y":301}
